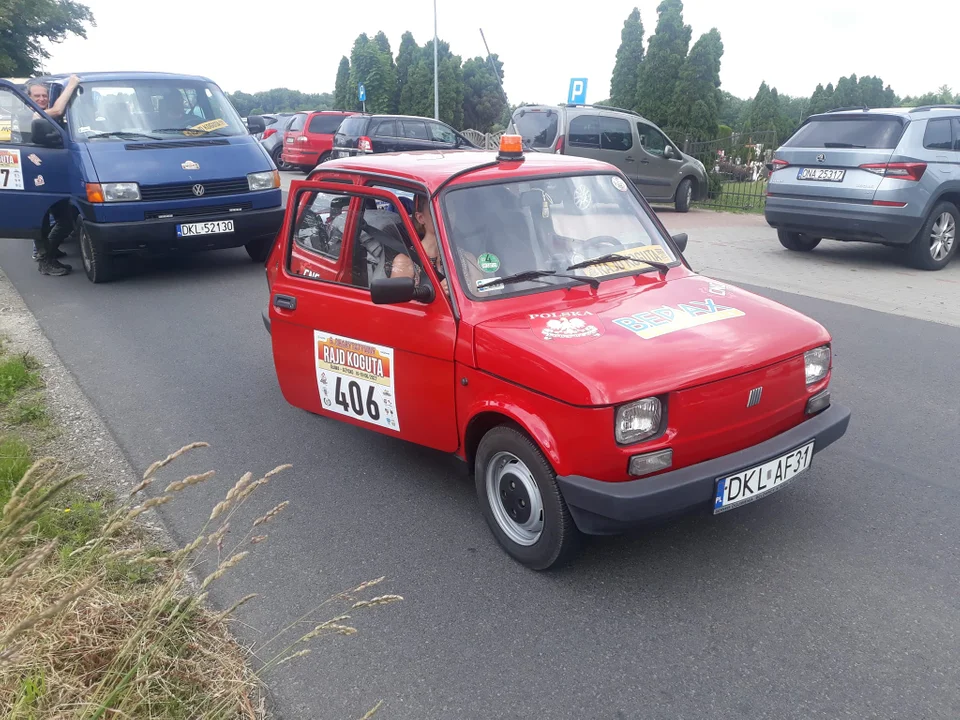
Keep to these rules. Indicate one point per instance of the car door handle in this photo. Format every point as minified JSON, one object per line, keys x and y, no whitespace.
{"x":285,"y":302}
{"x":628,"y":159}
{"x":644,"y":162}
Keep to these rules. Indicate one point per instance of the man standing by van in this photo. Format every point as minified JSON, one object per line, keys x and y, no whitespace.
{"x":47,"y":250}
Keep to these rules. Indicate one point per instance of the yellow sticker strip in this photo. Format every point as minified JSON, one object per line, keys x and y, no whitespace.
{"x":205,"y":127}
{"x":645,"y":252}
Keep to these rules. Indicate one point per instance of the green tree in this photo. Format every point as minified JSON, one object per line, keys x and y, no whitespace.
{"x":626,"y":69}
{"x":696,"y":98}
{"x":407,"y":56}
{"x":370,"y":65}
{"x":416,"y":95}
{"x":765,"y":109}
{"x":343,"y":98}
{"x":483,"y":102}
{"x":390,"y":68}
{"x":731,"y":110}
{"x":26,"y":26}
{"x":243,"y":103}
{"x":818,"y":101}
{"x":660,"y":70}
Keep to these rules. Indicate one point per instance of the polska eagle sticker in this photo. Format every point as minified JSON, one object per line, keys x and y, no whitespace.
{"x":568,"y":327}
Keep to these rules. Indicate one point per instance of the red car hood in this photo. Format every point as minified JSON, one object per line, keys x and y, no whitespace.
{"x":648,"y":340}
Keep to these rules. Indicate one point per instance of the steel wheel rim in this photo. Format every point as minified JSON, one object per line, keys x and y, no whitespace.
{"x":689,"y":194}
{"x":582,"y":197}
{"x":942,"y":236}
{"x":86,"y":251}
{"x":514,"y":499}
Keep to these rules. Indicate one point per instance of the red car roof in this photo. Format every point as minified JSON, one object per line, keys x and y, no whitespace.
{"x":432,"y":168}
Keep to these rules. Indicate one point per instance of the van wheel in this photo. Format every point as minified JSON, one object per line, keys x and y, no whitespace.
{"x":936,"y":243}
{"x":521,"y":501}
{"x":98,"y":263}
{"x":684,"y":195}
{"x":798,"y":242}
{"x":259,"y":250}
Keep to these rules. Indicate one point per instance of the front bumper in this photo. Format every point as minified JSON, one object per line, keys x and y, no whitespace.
{"x":161,"y":235}
{"x":603,"y":508}
{"x":842,"y":221}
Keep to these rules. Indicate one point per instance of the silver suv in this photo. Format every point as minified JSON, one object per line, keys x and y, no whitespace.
{"x":622,"y":138}
{"x":884,"y":176}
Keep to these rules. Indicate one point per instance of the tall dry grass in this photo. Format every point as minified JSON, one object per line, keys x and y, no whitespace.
{"x":111,"y":628}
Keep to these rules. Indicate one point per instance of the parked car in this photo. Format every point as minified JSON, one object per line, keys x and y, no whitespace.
{"x":367,"y":134}
{"x":625,"y":139}
{"x":309,"y":138}
{"x":148,"y":162}
{"x":272,"y":137}
{"x":884,"y":176}
{"x":588,"y":378}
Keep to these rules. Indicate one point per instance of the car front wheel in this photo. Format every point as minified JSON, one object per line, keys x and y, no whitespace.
{"x":936,"y":243}
{"x":521,"y":501}
{"x":97,"y":260}
{"x":798,"y":242}
{"x":684,"y":195}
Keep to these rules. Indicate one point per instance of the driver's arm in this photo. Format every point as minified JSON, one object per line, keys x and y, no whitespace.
{"x":60,"y":106}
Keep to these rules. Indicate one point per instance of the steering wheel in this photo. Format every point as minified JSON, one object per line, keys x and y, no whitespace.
{"x":600,"y":245}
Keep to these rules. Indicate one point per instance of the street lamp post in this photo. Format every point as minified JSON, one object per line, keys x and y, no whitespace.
{"x":436,"y":70}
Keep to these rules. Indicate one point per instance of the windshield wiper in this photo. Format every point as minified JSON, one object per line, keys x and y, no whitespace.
{"x":663,"y":268}
{"x":528,"y":275}
{"x":844,"y":145}
{"x":121,"y":134}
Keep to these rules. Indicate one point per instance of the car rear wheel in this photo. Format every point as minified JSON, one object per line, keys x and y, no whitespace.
{"x":278,"y":158}
{"x":521,"y":501}
{"x":97,"y":261}
{"x":936,"y":243}
{"x":798,"y":242}
{"x":684,"y":195}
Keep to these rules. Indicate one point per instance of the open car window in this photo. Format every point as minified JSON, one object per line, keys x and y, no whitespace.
{"x":550,"y":224}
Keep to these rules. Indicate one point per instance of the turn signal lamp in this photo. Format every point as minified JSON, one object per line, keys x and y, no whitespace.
{"x":511,"y":147}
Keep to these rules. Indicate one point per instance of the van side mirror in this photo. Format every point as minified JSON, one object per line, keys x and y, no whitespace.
{"x":45,"y":134}
{"x":668,"y":152}
{"x":256,"y":124}
{"x":393,"y":291}
{"x":680,"y":239}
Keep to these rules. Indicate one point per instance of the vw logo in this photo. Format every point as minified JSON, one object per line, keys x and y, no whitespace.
{"x":821,"y":157}
{"x":198,"y":190}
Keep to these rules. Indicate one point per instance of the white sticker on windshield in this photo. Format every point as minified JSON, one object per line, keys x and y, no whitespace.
{"x":483,"y":287}
{"x":619,"y":184}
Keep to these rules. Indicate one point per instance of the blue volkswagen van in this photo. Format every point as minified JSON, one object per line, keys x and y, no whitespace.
{"x":148,"y":163}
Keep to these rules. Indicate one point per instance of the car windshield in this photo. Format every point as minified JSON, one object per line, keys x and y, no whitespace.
{"x":875,"y":132}
{"x":152,"y":109}
{"x":538,"y":229}
{"x":538,"y":128}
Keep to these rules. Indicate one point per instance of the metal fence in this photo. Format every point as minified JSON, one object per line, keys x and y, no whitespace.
{"x":736,"y":169}
{"x":484,"y":141}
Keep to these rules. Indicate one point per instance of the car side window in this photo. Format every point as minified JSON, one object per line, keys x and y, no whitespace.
{"x":415,"y":130}
{"x":956,"y":133}
{"x":615,"y":134}
{"x":938,"y":135}
{"x":651,"y":139}
{"x":16,"y":121}
{"x":382,"y":248}
{"x":318,"y":234}
{"x":386,"y":128}
{"x":584,"y":131}
{"x":297,"y":123}
{"x":441,"y":133}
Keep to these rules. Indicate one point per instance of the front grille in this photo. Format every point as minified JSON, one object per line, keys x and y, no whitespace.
{"x":182,"y":191}
{"x":174,"y":144}
{"x":193,"y":211}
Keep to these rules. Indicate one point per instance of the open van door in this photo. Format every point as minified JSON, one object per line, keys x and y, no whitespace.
{"x":35,"y":166}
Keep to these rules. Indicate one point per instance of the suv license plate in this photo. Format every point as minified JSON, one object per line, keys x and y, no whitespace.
{"x":756,"y":482}
{"x":205,"y":228}
{"x":821,"y":174}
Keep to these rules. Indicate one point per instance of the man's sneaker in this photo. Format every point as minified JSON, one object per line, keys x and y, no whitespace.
{"x":52,"y":267}
{"x":36,"y":254}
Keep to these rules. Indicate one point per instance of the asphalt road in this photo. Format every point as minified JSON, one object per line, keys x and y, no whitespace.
{"x":837,"y":597}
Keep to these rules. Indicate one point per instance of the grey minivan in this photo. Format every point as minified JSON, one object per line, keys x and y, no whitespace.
{"x":622,"y":138}
{"x":889,"y":176}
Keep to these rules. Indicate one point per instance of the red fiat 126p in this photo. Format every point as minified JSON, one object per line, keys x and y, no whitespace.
{"x":531,"y":314}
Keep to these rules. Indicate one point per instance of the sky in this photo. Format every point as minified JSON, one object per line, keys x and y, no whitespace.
{"x":792,"y":46}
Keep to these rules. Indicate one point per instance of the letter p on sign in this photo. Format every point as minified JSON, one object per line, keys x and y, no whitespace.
{"x":578,"y":91}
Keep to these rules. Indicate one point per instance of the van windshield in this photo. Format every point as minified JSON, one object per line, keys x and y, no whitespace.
{"x":152,"y":110}
{"x":538,"y":128}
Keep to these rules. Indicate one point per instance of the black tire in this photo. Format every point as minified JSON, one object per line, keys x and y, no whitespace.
{"x":798,"y":242}
{"x":558,"y":536}
{"x":323,"y":158}
{"x":259,"y":250}
{"x":922,"y":252}
{"x":98,"y":263}
{"x":277,"y":156}
{"x":684,"y":195}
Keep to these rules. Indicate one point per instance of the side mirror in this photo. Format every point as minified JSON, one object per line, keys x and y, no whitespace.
{"x":392,"y":291}
{"x":45,"y":134}
{"x":668,"y":152}
{"x":256,"y":124}
{"x":680,"y":239}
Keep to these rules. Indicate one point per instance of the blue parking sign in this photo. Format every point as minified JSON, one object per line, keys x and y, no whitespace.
{"x":578,"y":91}
{"x":361,"y":93}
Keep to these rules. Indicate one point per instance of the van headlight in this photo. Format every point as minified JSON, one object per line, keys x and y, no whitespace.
{"x":267,"y":180}
{"x":638,"y":421}
{"x":120,"y":192}
{"x":816,"y":363}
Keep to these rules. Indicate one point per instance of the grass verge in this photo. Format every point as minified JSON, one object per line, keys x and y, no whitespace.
{"x":95,"y":623}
